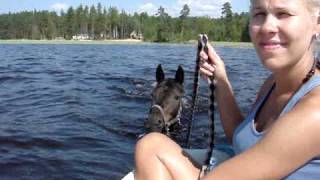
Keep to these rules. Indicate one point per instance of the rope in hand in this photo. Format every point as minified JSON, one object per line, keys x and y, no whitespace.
{"x":202,"y":46}
{"x":211,"y":139}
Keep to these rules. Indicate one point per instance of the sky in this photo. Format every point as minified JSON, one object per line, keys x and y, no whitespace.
{"x":210,"y":8}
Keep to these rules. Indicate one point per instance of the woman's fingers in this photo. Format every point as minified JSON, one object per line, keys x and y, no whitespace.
{"x":211,"y":64}
{"x":212,"y":55}
{"x":203,"y":56}
{"x":206,"y":69}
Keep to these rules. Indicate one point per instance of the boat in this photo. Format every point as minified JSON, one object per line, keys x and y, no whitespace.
{"x":220,"y":154}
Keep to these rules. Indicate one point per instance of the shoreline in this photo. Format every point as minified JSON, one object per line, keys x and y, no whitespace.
{"x":31,"y":41}
{"x":120,"y":41}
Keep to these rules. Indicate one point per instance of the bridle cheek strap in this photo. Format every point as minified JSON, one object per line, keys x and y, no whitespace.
{"x":171,"y":121}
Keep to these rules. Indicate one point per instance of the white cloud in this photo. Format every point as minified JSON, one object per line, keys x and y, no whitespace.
{"x":203,"y":7}
{"x":149,"y":8}
{"x":59,"y":6}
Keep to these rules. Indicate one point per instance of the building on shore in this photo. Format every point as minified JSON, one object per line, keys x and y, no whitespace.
{"x":135,"y":35}
{"x":81,"y":37}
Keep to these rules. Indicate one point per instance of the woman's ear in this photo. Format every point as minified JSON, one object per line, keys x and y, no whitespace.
{"x":316,"y":27}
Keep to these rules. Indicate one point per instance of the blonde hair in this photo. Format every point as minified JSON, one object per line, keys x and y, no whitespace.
{"x":313,"y":5}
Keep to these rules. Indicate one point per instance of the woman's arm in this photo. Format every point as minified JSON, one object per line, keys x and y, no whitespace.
{"x":230,"y":113}
{"x":292,"y":141}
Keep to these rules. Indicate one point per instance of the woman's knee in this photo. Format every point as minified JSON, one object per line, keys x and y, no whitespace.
{"x":150,"y":143}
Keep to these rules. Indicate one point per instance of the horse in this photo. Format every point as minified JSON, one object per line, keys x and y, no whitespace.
{"x":166,"y":104}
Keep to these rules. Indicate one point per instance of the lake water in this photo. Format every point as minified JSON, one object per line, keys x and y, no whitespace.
{"x":75,"y":111}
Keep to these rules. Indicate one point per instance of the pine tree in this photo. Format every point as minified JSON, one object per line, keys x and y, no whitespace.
{"x":228,"y":20}
{"x":184,"y":13}
{"x":114,"y":22}
{"x":71,"y":23}
{"x":92,"y":22}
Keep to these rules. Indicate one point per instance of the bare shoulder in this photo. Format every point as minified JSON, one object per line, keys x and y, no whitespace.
{"x":308,"y":111}
{"x":313,"y":96}
{"x":309,"y":108}
{"x":299,"y":130}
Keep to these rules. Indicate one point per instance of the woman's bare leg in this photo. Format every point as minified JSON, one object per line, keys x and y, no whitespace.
{"x":158,"y":157}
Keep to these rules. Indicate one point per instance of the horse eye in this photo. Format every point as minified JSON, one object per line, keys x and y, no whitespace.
{"x":176,"y":97}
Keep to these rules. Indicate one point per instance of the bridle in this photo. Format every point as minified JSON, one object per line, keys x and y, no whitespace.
{"x":169,"y":123}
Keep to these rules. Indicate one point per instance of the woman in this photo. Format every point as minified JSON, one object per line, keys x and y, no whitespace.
{"x":280,"y":137}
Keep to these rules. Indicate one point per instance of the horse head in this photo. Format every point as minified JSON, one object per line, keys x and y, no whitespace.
{"x":166,"y":101}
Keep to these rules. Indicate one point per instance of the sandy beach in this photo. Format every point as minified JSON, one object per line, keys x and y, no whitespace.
{"x":122,"y":41}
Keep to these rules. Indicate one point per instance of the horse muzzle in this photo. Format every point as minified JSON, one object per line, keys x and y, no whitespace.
{"x":155,"y":121}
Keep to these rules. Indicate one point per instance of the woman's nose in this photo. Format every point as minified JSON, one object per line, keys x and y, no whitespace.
{"x":270,"y":24}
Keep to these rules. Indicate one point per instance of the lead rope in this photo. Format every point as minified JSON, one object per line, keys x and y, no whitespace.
{"x":202,"y":46}
{"x":194,"y":92}
{"x":212,"y":87}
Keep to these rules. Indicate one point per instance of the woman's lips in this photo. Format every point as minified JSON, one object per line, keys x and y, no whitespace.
{"x":271,"y":45}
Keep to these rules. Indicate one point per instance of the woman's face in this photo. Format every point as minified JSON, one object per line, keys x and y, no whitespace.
{"x":282,"y":31}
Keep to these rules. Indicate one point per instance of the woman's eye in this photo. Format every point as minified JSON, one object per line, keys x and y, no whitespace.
{"x":283,"y":14}
{"x":258,"y":14}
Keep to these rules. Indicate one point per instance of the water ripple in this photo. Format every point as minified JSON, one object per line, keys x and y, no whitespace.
{"x":76,"y":111}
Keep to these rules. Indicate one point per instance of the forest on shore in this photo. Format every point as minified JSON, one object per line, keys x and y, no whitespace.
{"x":99,"y":23}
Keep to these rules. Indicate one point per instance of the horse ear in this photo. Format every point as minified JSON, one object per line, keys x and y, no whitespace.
{"x":159,"y":74}
{"x":180,"y":75}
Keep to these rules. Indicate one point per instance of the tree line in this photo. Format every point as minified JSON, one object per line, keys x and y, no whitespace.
{"x":99,"y":23}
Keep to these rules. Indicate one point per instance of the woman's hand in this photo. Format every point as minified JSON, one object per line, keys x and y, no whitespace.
{"x":211,"y":64}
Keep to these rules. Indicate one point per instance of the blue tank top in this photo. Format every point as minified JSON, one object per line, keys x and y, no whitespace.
{"x":246,"y":134}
